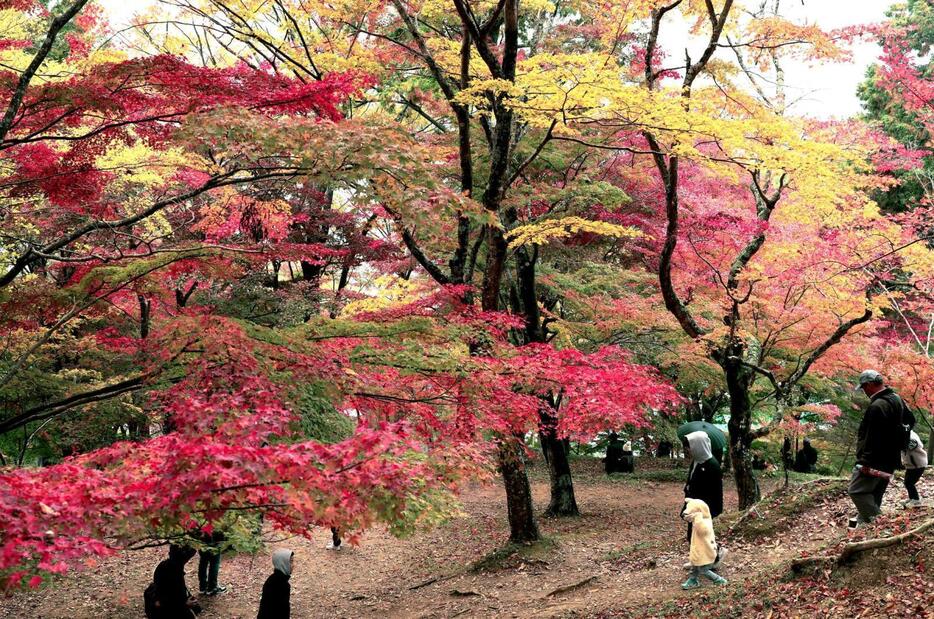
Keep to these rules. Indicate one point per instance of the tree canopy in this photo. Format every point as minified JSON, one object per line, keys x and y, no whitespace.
{"x":320,"y":263}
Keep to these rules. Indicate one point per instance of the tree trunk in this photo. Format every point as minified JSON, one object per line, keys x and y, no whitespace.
{"x":181,"y":297}
{"x":274,"y":282}
{"x":555,"y":451}
{"x":312,"y":273}
{"x":139,"y":428}
{"x":522,"y":527}
{"x":727,"y":461}
{"x":740,"y":426}
{"x":145,"y":316}
{"x":493,"y":273}
{"x":316,"y":233}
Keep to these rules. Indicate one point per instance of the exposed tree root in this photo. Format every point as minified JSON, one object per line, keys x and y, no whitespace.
{"x":576,"y":585}
{"x":854,"y":548}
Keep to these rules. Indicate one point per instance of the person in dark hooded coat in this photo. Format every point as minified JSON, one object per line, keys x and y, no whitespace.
{"x":806,"y":458}
{"x":613,"y":461}
{"x":168,"y":596}
{"x":276,"y":600}
{"x":705,"y":479}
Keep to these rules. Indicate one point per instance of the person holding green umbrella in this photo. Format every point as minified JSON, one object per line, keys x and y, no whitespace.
{"x":705,"y":478}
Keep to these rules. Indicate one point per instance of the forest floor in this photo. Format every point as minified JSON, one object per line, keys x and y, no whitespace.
{"x":622,"y":558}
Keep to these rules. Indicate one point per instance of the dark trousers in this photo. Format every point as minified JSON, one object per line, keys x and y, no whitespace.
{"x":867,"y":491}
{"x":911,"y":478}
{"x":209,"y":564}
{"x":335,"y":536}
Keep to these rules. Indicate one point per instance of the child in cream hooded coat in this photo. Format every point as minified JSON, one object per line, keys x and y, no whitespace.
{"x":703,"y":544}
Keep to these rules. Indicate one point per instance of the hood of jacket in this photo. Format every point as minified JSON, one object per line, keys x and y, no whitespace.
{"x":282,"y":561}
{"x":699,"y":443}
{"x":181,"y":554}
{"x":695,"y":508}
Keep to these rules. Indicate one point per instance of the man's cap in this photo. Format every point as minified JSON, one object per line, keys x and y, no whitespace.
{"x":869,"y":376}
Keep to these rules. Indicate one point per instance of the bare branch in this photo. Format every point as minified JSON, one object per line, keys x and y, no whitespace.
{"x":48,"y":411}
{"x":818,"y":352}
{"x":436,"y":273}
{"x":534,"y":155}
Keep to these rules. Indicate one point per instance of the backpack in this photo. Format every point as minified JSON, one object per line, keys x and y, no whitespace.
{"x":905,"y":423}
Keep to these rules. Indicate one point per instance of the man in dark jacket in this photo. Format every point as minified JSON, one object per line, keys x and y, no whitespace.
{"x":878,"y":445}
{"x":275,"y":602}
{"x":170,"y":596}
{"x":810,"y":456}
{"x":806,"y":458}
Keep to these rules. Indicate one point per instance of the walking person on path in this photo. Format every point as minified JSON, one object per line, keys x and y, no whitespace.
{"x":705,"y":553}
{"x":881,"y":437}
{"x":705,"y":483}
{"x":335,"y":543}
{"x":705,"y":479}
{"x":276,"y":600}
{"x":914,"y":459}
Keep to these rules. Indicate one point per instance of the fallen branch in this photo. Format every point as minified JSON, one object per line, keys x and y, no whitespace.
{"x":752,"y":510}
{"x":576,"y":585}
{"x":435,"y":579}
{"x":424,"y":583}
{"x":855,"y":548}
{"x":464,"y":594}
{"x":820,"y":480}
{"x":871,"y":544}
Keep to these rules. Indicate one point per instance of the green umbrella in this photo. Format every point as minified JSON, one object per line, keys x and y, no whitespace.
{"x":717,"y":437}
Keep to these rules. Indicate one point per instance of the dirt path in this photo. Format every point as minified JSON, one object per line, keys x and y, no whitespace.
{"x":629,"y":543}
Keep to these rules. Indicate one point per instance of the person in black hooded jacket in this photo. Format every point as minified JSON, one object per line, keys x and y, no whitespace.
{"x":276,"y":600}
{"x":806,"y":458}
{"x":170,"y":596}
{"x":705,"y":479}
